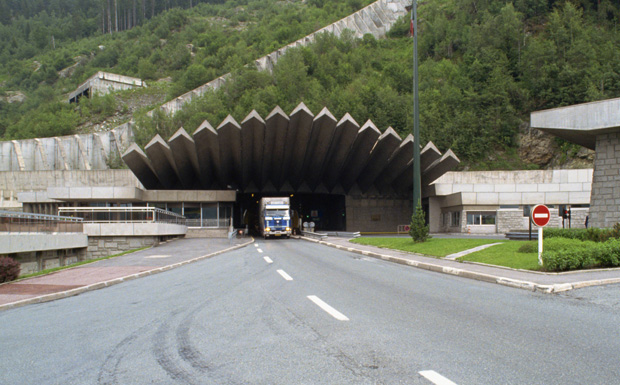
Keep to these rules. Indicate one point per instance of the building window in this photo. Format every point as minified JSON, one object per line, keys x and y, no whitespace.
{"x":481,"y":218}
{"x":455,"y":219}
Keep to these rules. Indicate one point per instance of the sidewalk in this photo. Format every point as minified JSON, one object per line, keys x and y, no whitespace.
{"x":523,"y":279}
{"x":96,"y":275}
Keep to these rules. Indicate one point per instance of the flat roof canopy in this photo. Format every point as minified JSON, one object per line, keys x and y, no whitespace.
{"x":281,"y":153}
{"x":580,"y":123}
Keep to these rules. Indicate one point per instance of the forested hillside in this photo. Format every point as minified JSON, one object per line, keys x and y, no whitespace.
{"x":45,"y":56}
{"x":484,"y":66}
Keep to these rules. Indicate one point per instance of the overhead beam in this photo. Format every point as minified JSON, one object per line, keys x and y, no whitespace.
{"x":162,"y":160}
{"x":139,"y":164}
{"x":184,"y":154}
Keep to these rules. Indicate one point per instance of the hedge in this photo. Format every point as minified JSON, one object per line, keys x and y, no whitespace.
{"x":574,"y":255}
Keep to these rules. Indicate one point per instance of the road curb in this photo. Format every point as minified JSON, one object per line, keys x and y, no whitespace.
{"x":504,"y":281}
{"x":115,"y":281}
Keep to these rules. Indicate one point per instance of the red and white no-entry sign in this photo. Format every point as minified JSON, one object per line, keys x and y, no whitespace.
{"x":541,"y":215}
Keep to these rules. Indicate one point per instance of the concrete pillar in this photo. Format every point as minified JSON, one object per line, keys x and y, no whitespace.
{"x":605,"y":201}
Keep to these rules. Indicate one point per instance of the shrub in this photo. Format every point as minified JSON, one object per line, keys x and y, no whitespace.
{"x":591,"y":234}
{"x":569,"y":259}
{"x":529,"y":247}
{"x":609,"y":253}
{"x":9,"y":269}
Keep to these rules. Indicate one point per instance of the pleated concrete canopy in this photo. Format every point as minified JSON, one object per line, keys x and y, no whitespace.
{"x":299,"y":153}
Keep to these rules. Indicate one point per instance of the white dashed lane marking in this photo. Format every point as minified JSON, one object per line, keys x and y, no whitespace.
{"x":267,"y":259}
{"x":435,"y":377}
{"x":330,"y":310}
{"x":284,"y":275}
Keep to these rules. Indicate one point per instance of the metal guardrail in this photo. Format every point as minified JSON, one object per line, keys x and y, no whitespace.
{"x":18,"y":222}
{"x":343,"y":234}
{"x":123,"y":215}
{"x":312,"y":234}
{"x":212,"y":223}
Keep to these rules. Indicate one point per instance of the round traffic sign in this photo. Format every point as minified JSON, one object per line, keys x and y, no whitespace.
{"x":541,"y":215}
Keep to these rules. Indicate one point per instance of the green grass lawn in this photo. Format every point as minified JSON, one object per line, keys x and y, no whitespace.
{"x":507,"y":255}
{"x":437,"y":247}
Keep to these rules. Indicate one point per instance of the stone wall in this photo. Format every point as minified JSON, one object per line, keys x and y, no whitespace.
{"x":605,"y":205}
{"x":377,"y":214}
{"x":35,"y":261}
{"x":99,"y":247}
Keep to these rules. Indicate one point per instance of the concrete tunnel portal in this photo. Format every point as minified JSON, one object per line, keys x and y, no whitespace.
{"x":326,"y":211}
{"x":333,"y":170}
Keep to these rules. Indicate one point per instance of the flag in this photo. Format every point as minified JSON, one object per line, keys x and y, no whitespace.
{"x":411,"y":28}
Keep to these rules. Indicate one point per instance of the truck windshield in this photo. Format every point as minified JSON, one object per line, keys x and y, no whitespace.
{"x":276,"y":213}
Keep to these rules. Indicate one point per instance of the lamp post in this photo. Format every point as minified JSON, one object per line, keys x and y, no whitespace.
{"x":417,"y":190}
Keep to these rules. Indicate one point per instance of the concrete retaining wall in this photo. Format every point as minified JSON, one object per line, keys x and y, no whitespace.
{"x":75,"y":152}
{"x":377,"y":214}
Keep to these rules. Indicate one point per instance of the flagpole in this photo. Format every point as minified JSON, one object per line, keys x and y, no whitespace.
{"x":417,"y":190}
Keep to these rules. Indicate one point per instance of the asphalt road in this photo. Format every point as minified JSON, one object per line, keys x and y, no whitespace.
{"x":254,"y":316}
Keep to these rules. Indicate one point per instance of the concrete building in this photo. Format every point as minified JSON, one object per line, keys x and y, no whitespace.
{"x":490,"y":202}
{"x":596,"y":126}
{"x":103,"y":83}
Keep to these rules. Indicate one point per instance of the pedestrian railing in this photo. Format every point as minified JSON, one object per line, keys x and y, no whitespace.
{"x":123,"y":215}
{"x":18,"y":222}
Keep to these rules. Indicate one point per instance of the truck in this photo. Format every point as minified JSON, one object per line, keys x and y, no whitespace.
{"x":275,"y":217}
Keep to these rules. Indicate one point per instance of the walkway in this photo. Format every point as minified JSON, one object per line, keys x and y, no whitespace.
{"x":96,"y":275}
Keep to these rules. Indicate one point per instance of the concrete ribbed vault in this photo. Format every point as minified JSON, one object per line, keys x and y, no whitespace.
{"x":296,"y":153}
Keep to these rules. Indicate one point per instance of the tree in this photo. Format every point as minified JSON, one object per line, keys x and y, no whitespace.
{"x":418,"y":229}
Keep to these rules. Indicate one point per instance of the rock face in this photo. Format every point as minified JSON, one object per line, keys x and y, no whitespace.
{"x":536,"y":146}
{"x":543,"y":149}
{"x":14,"y":97}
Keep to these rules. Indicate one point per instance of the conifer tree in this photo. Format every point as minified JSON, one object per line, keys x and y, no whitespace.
{"x":418,"y":230}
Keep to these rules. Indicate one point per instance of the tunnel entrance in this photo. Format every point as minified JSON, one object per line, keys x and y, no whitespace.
{"x":327,"y":211}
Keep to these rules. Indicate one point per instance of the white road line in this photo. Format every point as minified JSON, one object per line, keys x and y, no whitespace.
{"x":267,"y":259}
{"x":284,"y":275}
{"x":436,"y":378}
{"x":259,"y":250}
{"x":330,"y":310}
{"x":256,"y":245}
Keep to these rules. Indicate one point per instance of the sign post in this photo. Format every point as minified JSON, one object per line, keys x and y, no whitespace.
{"x":540,"y":216}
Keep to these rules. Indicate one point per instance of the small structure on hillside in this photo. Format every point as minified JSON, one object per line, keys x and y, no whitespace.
{"x":103,"y":83}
